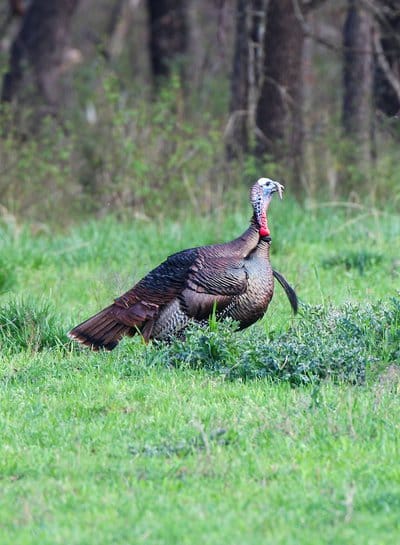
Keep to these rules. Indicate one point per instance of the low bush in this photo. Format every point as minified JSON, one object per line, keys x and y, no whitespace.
{"x":136,"y":158}
{"x":337,"y":343}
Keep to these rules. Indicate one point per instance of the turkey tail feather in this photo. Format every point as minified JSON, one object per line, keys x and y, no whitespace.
{"x":100,"y":331}
{"x":291,"y":294}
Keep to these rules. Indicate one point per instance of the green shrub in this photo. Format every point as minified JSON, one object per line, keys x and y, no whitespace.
{"x":135,"y":157}
{"x":323,"y":343}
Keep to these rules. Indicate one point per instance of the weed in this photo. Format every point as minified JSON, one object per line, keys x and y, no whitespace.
{"x":29,"y":325}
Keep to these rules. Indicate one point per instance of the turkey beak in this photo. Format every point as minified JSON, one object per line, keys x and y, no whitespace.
{"x":278,"y":189}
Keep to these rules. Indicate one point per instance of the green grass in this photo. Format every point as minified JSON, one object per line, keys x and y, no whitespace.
{"x":125,"y":447}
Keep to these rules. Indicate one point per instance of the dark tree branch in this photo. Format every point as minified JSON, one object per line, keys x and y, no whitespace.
{"x":384,"y":14}
{"x":301,"y":19}
{"x":310,"y":5}
{"x":385,"y":66}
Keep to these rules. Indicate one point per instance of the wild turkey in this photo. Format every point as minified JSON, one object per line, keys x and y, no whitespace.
{"x":235,"y":278}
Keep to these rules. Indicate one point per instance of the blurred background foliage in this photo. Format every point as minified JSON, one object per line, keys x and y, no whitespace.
{"x":161,"y":107}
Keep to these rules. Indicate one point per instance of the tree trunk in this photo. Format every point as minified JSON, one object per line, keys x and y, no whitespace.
{"x":358,"y":83}
{"x":387,"y":73}
{"x":41,"y":43}
{"x":245,"y":79}
{"x":168,"y":35}
{"x":279,"y":109}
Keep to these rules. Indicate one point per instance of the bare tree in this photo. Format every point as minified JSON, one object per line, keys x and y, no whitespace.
{"x":357,"y":81}
{"x":168,"y":34}
{"x":266,"y":108}
{"x":41,"y":45}
{"x":246,"y":74}
{"x":279,"y":108}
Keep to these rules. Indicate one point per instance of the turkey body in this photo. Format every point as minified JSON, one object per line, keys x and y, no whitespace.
{"x":235,"y":278}
{"x":241,"y":290}
{"x":252,"y":304}
{"x":186,"y":287}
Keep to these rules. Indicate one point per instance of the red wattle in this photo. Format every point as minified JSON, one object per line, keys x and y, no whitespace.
{"x":264,"y":232}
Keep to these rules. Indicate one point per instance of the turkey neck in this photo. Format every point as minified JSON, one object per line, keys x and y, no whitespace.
{"x":248,"y":240}
{"x":262,"y":250}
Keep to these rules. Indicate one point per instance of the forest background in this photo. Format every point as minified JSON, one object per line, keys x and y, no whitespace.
{"x":118,"y":105}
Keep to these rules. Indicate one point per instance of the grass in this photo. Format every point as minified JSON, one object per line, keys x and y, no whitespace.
{"x":123,"y":447}
{"x":93,"y":455}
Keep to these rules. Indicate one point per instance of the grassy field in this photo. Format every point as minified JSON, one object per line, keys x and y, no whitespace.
{"x":144,"y":445}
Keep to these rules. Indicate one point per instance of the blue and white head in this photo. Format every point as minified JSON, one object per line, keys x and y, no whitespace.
{"x":260,"y":197}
